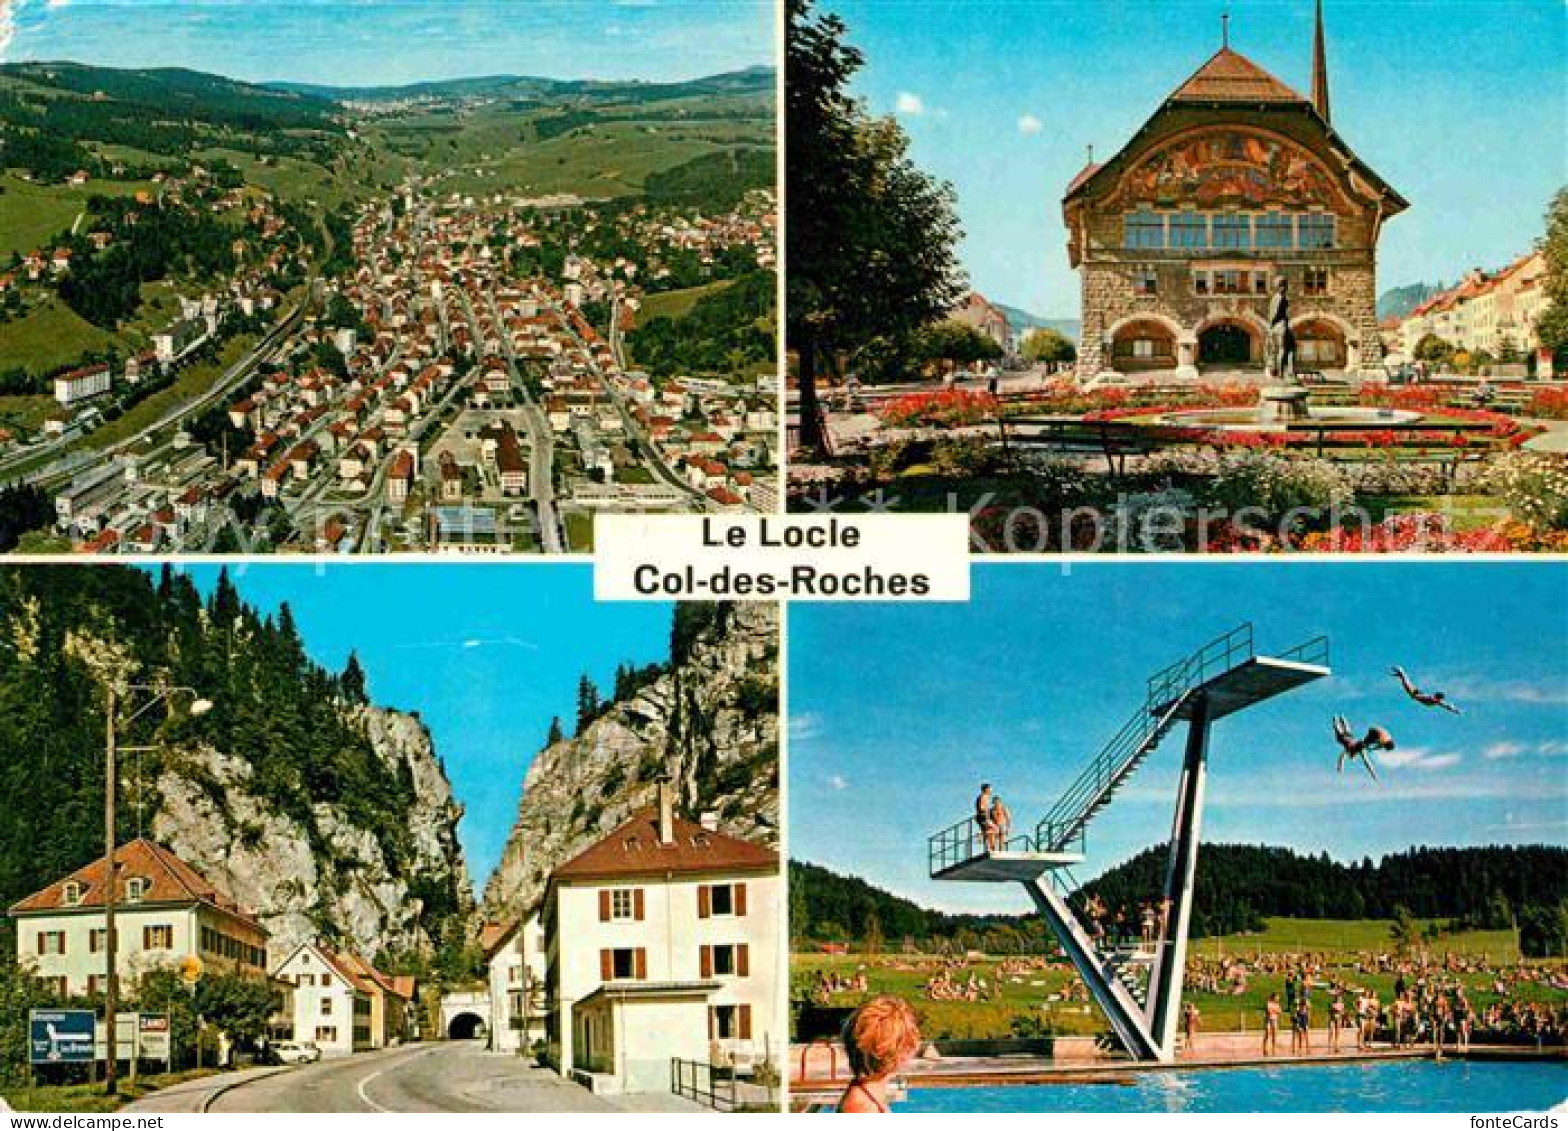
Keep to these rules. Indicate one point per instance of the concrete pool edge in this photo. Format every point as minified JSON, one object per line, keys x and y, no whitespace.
{"x":996,"y":1074}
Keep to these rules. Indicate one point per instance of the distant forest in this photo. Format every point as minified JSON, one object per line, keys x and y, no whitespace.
{"x":1238,"y":887}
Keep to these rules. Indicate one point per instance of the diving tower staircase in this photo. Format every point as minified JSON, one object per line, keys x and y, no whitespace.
{"x":1138,"y":987}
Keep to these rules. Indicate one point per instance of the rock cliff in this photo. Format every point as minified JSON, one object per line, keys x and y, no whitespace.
{"x":323,"y":872}
{"x":708,"y":723}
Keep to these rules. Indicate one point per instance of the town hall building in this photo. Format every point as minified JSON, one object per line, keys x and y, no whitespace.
{"x":1236,"y":182}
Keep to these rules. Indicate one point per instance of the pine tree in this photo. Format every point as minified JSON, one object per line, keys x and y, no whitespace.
{"x":353,"y":680}
{"x":556,"y":734}
{"x":587,"y":703}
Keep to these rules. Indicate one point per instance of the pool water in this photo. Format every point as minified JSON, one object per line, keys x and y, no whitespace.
{"x":1391,"y":1086}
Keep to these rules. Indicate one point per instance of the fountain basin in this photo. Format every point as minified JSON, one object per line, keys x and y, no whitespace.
{"x":1279,"y":416}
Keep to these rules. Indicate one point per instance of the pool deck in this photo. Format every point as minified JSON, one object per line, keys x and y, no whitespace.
{"x":999,"y":1071}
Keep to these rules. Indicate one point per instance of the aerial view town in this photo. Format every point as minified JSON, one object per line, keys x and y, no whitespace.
{"x":443,"y":316}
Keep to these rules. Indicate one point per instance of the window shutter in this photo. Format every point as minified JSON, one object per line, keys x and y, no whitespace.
{"x":745,"y":1022}
{"x":740,"y":899}
{"x":637,"y":905}
{"x":604,"y":905}
{"x":707,"y":960}
{"x":704,"y":901}
{"x":606,"y":966}
{"x":743,"y":960}
{"x":40,"y":942}
{"x":711,"y":1025}
{"x":642,"y":964}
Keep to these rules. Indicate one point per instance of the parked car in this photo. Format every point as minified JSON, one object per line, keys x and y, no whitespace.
{"x":292,"y":1052}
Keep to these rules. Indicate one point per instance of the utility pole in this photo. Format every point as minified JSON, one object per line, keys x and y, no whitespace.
{"x":112,"y":982}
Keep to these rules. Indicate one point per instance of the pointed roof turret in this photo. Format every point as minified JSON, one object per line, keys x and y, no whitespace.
{"x":1320,"y":69}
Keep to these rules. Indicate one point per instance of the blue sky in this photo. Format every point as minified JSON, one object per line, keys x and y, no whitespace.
{"x":1462,"y":105}
{"x":388,"y":42}
{"x":485,"y":654}
{"x":897,"y":712}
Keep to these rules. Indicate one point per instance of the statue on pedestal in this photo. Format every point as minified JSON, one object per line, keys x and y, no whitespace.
{"x":1279,"y":351}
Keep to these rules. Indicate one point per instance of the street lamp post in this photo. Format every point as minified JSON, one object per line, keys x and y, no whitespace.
{"x":111,"y":997}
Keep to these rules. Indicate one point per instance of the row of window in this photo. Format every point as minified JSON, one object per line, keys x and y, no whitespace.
{"x":155,"y":936}
{"x":1233,"y":231}
{"x":1231,"y":281}
{"x":214,"y":941}
{"x":713,"y":901}
{"x":630,"y":963}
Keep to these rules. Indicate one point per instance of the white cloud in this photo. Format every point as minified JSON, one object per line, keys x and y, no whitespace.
{"x":803,"y":728}
{"x":909,"y":104}
{"x":838,"y":782}
{"x":1553,"y":748}
{"x":1414,"y":758}
{"x":1503,"y":750}
{"x":54,"y":4}
{"x":1547,"y":692}
{"x":1029,"y":124}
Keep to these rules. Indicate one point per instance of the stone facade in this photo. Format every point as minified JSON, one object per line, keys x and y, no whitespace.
{"x":1236,"y":182}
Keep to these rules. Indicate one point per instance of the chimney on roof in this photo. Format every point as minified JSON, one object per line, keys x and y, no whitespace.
{"x":710,"y":821}
{"x":1320,"y":68}
{"x":666,"y":813}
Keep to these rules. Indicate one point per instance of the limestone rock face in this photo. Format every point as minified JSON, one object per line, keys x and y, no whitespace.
{"x":318,"y":872}
{"x":709,"y":724}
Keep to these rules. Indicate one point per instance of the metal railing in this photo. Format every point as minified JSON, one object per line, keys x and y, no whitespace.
{"x":1314,"y":651}
{"x":1214,"y":658}
{"x":702,"y":1083}
{"x":965,"y":841}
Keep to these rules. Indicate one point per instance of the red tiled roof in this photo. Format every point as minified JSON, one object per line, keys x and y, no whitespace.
{"x":1229,"y":77}
{"x":633,"y":849}
{"x":169,"y":880}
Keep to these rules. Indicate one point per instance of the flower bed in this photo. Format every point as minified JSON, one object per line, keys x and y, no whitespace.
{"x":946,"y":408}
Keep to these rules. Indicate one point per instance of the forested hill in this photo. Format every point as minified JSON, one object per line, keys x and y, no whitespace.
{"x":1238,"y":886}
{"x":323,"y":813}
{"x":60,"y":115}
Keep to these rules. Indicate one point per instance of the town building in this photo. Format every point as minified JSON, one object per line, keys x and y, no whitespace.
{"x":515,"y":953}
{"x":166,"y":913}
{"x":82,"y":384}
{"x":981,"y":314}
{"x":336,"y":1004}
{"x":1495,"y":313}
{"x":663,"y":943}
{"x":1236,"y":182}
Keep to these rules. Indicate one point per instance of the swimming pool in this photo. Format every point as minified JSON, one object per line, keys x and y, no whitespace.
{"x":1392,"y":1086}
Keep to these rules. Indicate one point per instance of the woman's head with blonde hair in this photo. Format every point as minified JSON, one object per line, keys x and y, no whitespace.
{"x":880,"y":1036}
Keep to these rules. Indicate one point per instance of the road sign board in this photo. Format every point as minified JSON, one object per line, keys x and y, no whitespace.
{"x":61,"y":1036}
{"x":152,"y":1039}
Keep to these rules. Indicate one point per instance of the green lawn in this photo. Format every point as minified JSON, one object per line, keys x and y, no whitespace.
{"x":1348,"y":936}
{"x":1027,"y":995}
{"x":677,"y":304}
{"x":48,"y":337}
{"x":32,"y":213}
{"x":89,"y":1098}
{"x":26,"y":414}
{"x":579,"y":532}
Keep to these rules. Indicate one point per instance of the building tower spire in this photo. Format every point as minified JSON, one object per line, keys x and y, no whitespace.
{"x":1320,"y":68}
{"x":1225,"y":29}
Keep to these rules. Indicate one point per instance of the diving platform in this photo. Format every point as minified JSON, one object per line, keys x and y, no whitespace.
{"x":1224,"y":677}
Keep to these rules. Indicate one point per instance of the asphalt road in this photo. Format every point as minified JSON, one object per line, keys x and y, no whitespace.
{"x":451,"y":1076}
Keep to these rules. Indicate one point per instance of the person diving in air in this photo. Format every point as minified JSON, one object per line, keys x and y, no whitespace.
{"x":1425,"y":698}
{"x":1353,"y":748}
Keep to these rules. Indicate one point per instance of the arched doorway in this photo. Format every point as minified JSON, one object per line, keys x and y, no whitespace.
{"x":1142,"y":345}
{"x":1229,"y":345}
{"x":1319,"y":345}
{"x":466,"y":1027}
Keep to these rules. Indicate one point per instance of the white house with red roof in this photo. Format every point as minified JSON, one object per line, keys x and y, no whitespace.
{"x":165,"y":913}
{"x":333,"y":1000}
{"x":663,"y":943}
